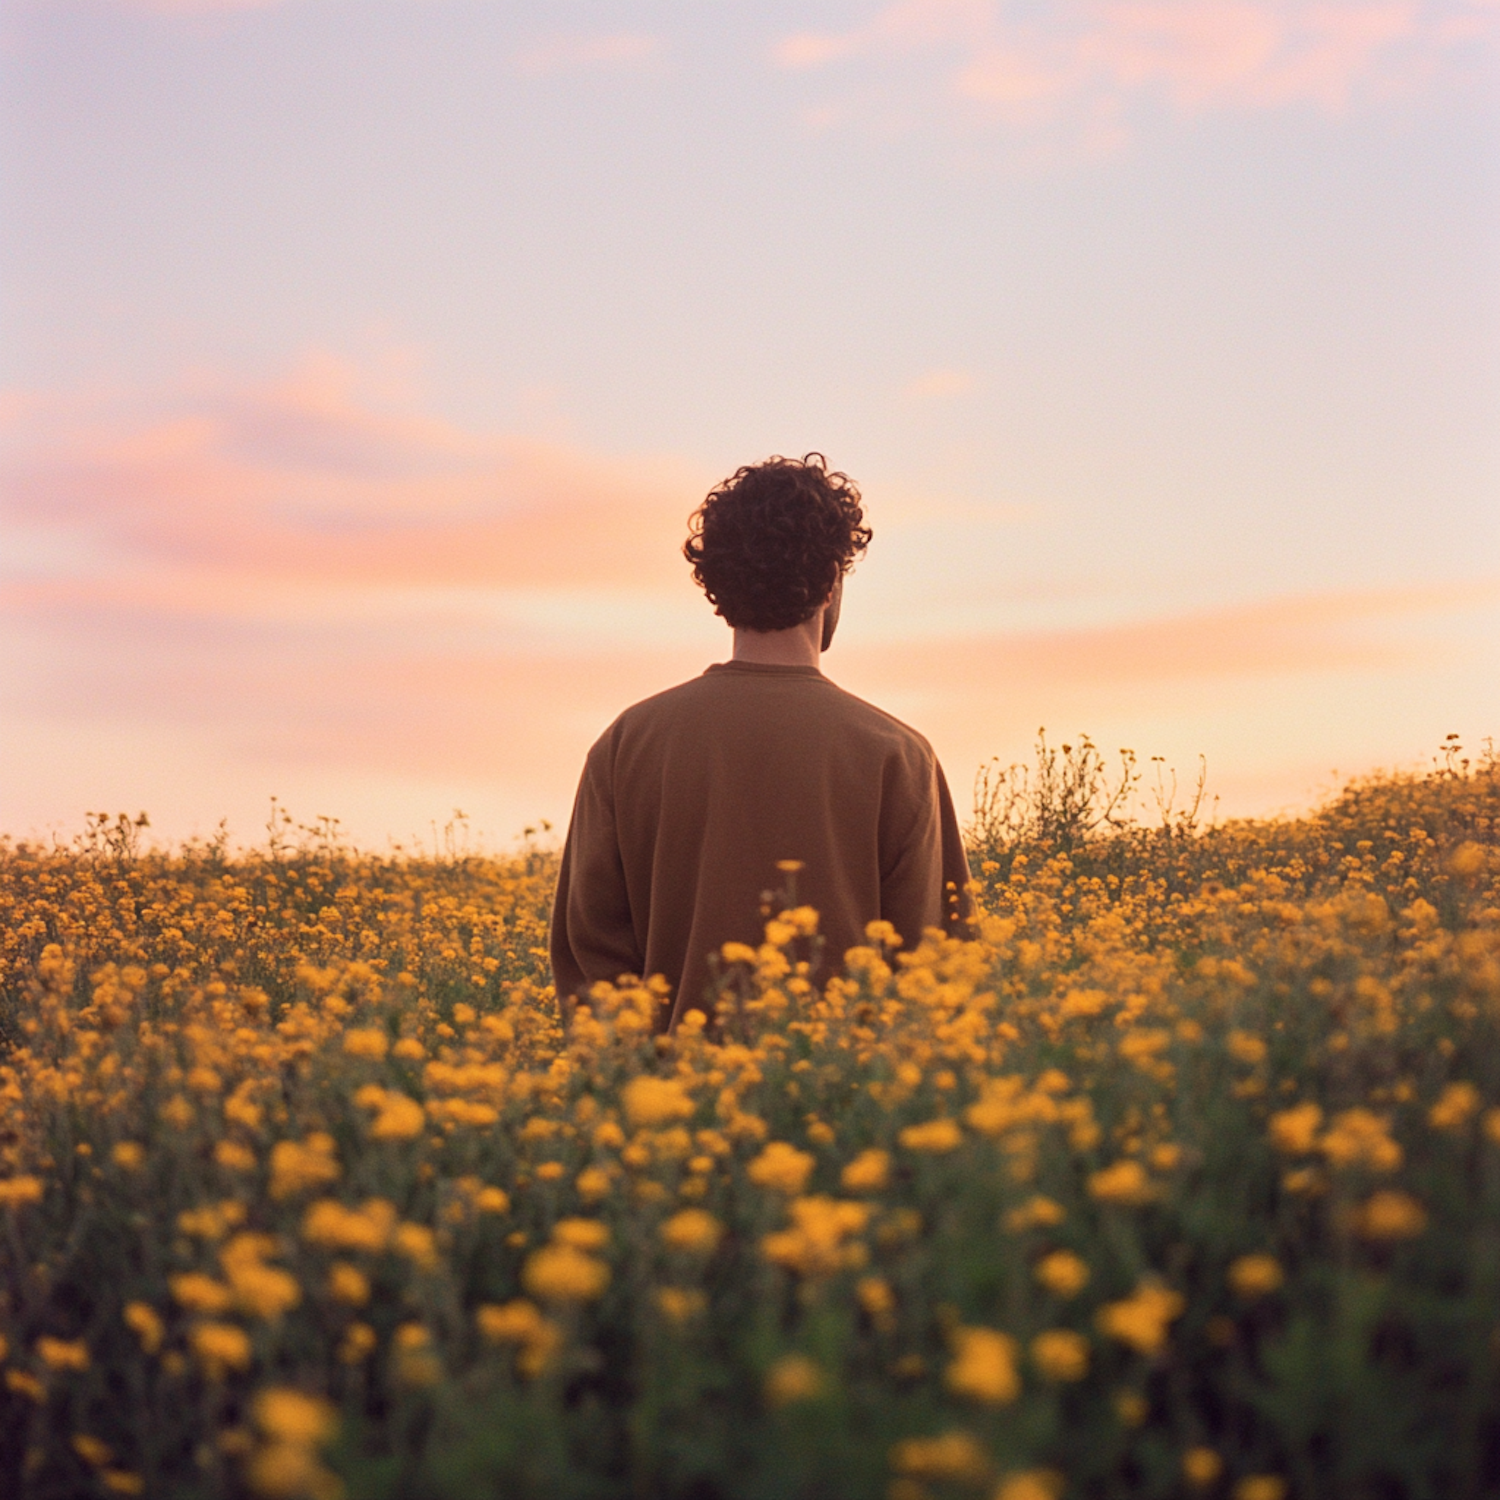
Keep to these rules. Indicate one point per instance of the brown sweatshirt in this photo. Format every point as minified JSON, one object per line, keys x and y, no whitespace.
{"x":690,"y":798}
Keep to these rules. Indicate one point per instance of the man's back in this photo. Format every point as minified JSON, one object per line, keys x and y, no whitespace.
{"x":689,"y":800}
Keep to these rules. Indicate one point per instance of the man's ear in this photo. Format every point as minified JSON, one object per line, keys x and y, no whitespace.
{"x":831,"y":613}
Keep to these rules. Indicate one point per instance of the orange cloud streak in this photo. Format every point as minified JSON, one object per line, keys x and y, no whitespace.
{"x":402,"y":702}
{"x":1308,"y":633}
{"x":235,"y":571}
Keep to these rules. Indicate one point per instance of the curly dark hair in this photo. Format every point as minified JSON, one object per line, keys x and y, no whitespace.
{"x":769,"y":543}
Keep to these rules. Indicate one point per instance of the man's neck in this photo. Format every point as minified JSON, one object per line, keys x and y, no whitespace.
{"x":798,"y":647}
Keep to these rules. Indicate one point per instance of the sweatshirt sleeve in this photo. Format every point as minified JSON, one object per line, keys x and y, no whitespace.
{"x":957,"y":903}
{"x":593,"y":936}
{"x":922,"y":862}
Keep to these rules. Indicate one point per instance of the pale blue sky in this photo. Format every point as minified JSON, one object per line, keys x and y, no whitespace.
{"x":1123,"y":314}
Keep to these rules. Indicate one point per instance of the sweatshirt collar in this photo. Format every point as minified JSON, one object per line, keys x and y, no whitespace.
{"x":765,"y":668}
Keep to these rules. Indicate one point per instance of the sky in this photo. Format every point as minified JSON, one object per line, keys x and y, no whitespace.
{"x":361,"y":362}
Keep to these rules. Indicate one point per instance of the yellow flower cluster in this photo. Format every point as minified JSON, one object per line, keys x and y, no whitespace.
{"x":298,"y":1149}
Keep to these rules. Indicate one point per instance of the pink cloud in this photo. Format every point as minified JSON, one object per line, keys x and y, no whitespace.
{"x":1231,"y":53}
{"x":311,"y":478}
{"x":1085,"y":63}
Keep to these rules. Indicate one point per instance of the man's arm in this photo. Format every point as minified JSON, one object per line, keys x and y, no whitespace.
{"x":593,"y":936}
{"x":957,"y":904}
{"x":924,"y":871}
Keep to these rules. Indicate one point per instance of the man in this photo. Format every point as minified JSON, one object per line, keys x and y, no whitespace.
{"x":691,"y":800}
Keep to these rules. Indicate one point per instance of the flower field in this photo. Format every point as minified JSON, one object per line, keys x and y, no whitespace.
{"x":1181,"y":1178}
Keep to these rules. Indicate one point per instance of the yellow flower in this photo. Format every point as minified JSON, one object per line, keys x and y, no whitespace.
{"x":220,"y":1347}
{"x":874,"y":1294}
{"x":1061,"y":1354}
{"x":24,"y":1384}
{"x":142,"y":1319}
{"x":649,"y":1102}
{"x":328,"y":1223}
{"x":1306,"y":1182}
{"x":680,"y":1304}
{"x":15,"y":1191}
{"x":122,"y":1482}
{"x":358,"y":1344}
{"x":1201,"y":1466}
{"x":514,"y":1322}
{"x":213,"y":1221}
{"x":935,"y":1137}
{"x":400,"y":1118}
{"x":1294,"y":1132}
{"x":1062,"y":1273}
{"x":869,"y":1172}
{"x":299,"y":1165}
{"x":581,"y":1234}
{"x":1454,"y":1108}
{"x":1037,"y":1212}
{"x":592,"y":1184}
{"x":693,"y":1231}
{"x":782,"y":1168}
{"x":129,"y":1156}
{"x":347,"y":1283}
{"x":803,"y":919}
{"x":493,"y":1200}
{"x":62,"y":1354}
{"x":416,"y":1363}
{"x":367,"y":1041}
{"x":1467,"y":859}
{"x":559,"y":1273}
{"x":200,"y":1293}
{"x":289,"y":1416}
{"x":1255,"y":1275}
{"x":1245,"y":1047}
{"x":288,"y":1471}
{"x":815,"y":1244}
{"x":521,"y":1323}
{"x":737,"y":953}
{"x":793,"y":1378}
{"x":266,"y":1291}
{"x":983,"y":1367}
{"x":1390,"y":1215}
{"x":1142,"y":1319}
{"x":234,"y":1157}
{"x":957,"y":1457}
{"x":177,"y":1113}
{"x":1030,"y":1484}
{"x":1260,"y":1487}
{"x":417,"y":1243}
{"x":1358,"y":1138}
{"x":1125,"y":1183}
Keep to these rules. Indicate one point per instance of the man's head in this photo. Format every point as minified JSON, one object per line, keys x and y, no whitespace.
{"x":769,"y":545}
